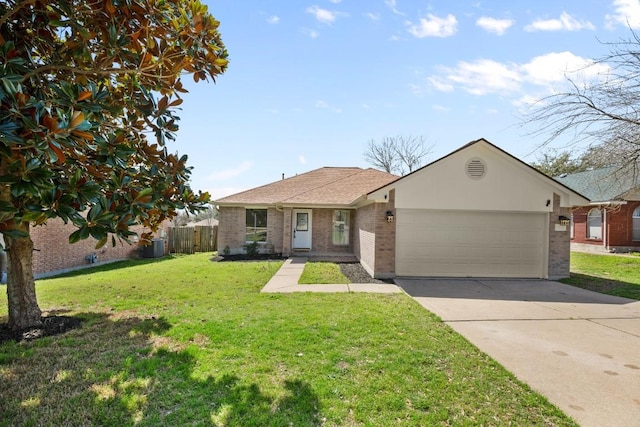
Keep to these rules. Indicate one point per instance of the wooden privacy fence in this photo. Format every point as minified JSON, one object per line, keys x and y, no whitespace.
{"x":188,"y":240}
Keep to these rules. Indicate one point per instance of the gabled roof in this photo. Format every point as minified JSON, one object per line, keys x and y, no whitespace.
{"x":605,"y":184}
{"x":325,"y":186}
{"x":482,"y":141}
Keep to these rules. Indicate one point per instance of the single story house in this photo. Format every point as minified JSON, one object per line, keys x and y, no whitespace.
{"x":476,"y":212}
{"x":611,"y":221}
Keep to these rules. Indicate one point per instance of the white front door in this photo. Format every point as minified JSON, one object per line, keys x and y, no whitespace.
{"x":301,"y":229}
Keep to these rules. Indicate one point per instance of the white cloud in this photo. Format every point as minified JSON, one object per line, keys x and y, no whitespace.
{"x":230,"y":173}
{"x":273,"y":19}
{"x":435,"y":27}
{"x":553,"y":67}
{"x":392,"y":6}
{"x":494,"y":25}
{"x":484,"y":76}
{"x":302,"y":159}
{"x":311,"y":33}
{"x":440,"y":84}
{"x":441,"y":108}
{"x":566,"y":22}
{"x":373,"y":16}
{"x":627,"y":12}
{"x":325,"y":106}
{"x":525,"y":80}
{"x":324,"y":16}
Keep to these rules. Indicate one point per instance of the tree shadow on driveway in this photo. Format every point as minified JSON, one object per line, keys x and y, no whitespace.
{"x":505,"y":290}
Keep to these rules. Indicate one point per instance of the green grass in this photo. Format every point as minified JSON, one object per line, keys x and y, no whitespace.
{"x":185,"y":341}
{"x":610,"y":274}
{"x":322,"y":273}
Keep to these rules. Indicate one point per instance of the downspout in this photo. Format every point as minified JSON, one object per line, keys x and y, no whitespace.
{"x":605,"y":224}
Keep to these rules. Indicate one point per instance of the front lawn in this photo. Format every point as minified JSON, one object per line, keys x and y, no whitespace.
{"x":610,"y":274}
{"x":186,"y":341}
{"x":322,"y":272}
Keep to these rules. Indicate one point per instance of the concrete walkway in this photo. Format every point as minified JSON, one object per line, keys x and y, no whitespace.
{"x":286,"y":281}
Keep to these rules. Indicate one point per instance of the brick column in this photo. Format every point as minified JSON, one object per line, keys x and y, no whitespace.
{"x":559,"y":243}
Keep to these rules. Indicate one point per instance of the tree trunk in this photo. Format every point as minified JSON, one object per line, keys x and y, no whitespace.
{"x":21,"y":288}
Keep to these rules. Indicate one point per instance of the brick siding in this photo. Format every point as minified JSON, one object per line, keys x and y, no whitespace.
{"x":375,"y":239}
{"x":364,"y":244}
{"x":322,"y":233}
{"x":231,"y":229}
{"x":559,"y":242}
{"x":53,"y":253}
{"x":385,"y":239}
{"x":617,"y":228}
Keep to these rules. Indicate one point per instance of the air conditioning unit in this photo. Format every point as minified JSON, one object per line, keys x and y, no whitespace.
{"x":154,"y":250}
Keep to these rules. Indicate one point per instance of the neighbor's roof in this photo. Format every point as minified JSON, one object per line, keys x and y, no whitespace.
{"x":603,"y":185}
{"x":324,"y":186}
{"x":205,"y":222}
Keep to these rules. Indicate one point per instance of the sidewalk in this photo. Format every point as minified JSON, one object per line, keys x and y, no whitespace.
{"x":286,"y":281}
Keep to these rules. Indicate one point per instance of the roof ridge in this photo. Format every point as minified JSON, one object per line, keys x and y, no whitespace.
{"x":360,"y":170}
{"x":287,"y":178}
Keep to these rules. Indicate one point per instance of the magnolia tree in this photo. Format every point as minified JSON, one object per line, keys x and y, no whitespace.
{"x":88,"y":94}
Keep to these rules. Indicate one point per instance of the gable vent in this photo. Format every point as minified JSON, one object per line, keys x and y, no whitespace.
{"x":476,"y":168}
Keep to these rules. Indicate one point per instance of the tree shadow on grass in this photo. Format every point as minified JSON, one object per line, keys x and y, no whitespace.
{"x":604,"y":285}
{"x":117,"y":370}
{"x":110,"y":266}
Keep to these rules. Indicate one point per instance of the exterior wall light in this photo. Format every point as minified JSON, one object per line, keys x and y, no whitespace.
{"x":390,"y":216}
{"x":564,"y":220}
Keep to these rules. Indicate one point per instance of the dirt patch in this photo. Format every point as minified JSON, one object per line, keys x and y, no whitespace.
{"x":51,"y":325}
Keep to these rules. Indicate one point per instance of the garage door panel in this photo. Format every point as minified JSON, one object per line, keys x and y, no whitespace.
{"x":462,"y":244}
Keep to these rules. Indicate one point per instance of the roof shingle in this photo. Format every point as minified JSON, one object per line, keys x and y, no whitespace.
{"x":603,"y":185}
{"x":324,"y":186}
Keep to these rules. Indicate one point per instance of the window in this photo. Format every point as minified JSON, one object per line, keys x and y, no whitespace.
{"x":635,"y":218}
{"x":594,"y":224}
{"x":256,"y":225}
{"x":340,"y":227}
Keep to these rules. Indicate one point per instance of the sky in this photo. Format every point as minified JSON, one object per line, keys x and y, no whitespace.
{"x":310,"y":82}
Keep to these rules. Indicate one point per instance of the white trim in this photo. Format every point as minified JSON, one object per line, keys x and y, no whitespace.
{"x":609,"y":203}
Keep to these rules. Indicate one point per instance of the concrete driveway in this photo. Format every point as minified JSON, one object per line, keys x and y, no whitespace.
{"x":579,"y":348}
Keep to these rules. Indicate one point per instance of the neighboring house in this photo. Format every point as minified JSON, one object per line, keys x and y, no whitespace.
{"x":53,"y":254}
{"x":209,"y":222}
{"x":477,"y":212}
{"x":611,"y":221}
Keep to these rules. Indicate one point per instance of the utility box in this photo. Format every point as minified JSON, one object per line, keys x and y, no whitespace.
{"x":154,"y":250}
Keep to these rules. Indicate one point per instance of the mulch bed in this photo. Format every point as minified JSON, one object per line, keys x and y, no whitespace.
{"x":245,"y":257}
{"x":356,"y":273}
{"x":51,"y":325}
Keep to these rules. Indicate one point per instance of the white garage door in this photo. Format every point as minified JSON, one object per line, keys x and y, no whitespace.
{"x":470,"y":244}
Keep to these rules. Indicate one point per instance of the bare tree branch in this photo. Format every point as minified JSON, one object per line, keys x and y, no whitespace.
{"x":603,"y":113}
{"x":399,"y":154}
